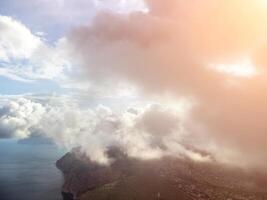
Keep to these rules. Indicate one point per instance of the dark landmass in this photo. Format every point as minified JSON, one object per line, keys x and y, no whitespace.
{"x":164,"y":179}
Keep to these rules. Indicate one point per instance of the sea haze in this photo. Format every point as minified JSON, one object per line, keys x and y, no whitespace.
{"x":28,"y":172}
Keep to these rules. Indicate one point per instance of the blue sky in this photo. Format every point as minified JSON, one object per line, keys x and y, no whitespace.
{"x":53,"y":18}
{"x":11,"y":87}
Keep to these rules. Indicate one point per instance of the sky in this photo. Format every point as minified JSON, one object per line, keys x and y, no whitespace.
{"x":47,"y":21}
{"x":154,"y":78}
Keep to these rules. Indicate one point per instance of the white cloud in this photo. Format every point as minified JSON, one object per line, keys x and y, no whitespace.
{"x":143,"y":132}
{"x":16,"y":41}
{"x":146,"y":133}
{"x":25,"y":56}
{"x":19,"y":118}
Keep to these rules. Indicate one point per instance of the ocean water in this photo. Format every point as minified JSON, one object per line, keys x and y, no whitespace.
{"x":28,"y":172}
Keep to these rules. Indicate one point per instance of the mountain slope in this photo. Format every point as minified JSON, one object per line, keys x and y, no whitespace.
{"x":165,"y":179}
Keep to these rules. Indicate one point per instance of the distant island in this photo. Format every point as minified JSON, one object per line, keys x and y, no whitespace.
{"x":36,"y":140}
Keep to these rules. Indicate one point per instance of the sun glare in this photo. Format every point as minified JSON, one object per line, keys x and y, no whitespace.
{"x":240,"y":69}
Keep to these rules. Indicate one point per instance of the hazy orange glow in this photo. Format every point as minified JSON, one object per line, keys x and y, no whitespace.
{"x":192,"y":49}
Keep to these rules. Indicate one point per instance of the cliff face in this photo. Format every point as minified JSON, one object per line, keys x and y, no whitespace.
{"x":81,"y":174}
{"x":167,"y":178}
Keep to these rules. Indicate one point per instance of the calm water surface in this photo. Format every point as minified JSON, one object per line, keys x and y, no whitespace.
{"x":28,"y":172}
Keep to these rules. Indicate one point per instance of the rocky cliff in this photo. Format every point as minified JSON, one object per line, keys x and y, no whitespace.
{"x":167,"y":178}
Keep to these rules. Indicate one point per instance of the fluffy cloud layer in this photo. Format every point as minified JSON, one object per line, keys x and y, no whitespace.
{"x":144,"y":133}
{"x":19,"y":118}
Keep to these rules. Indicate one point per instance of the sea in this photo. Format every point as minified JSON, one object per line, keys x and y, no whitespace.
{"x":28,"y":172}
